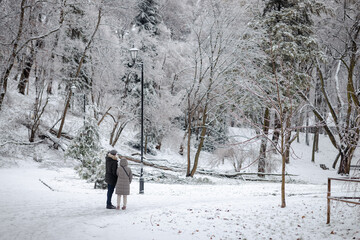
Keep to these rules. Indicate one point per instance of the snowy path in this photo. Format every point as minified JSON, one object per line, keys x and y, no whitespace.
{"x":30,"y":210}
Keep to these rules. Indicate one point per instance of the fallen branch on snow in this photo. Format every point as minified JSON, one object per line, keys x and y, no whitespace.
{"x":20,"y":143}
{"x":46,"y":185}
{"x":202,"y":171}
{"x":151,"y":164}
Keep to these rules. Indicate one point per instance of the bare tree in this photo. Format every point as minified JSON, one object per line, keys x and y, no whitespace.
{"x":77,"y":74}
{"x":41,"y":102}
{"x":214,"y":56}
{"x":338,"y":73}
{"x":19,"y":41}
{"x":10,"y":61}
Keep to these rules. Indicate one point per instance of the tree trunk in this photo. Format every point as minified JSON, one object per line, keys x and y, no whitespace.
{"x":345,"y":160}
{"x":189,"y":139}
{"x":77,"y":74}
{"x":307,"y":141}
{"x":283,"y":202}
{"x":158,"y":146}
{"x":112,"y":134}
{"x":336,"y":160}
{"x":10,"y":62}
{"x":64,"y":113}
{"x":262,"y":156}
{"x":276,"y":134}
{"x":39,"y":106}
{"x":283,"y":165}
{"x":25,"y":74}
{"x":38,"y":112}
{"x":315,"y":142}
{"x":49,"y":87}
{"x":181,"y":148}
{"x":118,"y":133}
{"x":298,"y":135}
{"x":102,"y":118}
{"x":287,"y":138}
{"x":287,"y":149}
{"x":201,"y":143}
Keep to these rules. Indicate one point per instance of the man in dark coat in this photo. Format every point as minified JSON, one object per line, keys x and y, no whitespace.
{"x":110,"y":176}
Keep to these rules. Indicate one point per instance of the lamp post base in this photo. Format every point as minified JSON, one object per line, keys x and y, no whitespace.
{"x":141,"y":185}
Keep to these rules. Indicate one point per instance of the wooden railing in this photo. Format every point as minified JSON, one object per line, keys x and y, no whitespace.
{"x":345,"y":199}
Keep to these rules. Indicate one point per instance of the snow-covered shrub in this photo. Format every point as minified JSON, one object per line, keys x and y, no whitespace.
{"x":85,"y":148}
{"x":272,"y":162}
{"x":237,"y":155}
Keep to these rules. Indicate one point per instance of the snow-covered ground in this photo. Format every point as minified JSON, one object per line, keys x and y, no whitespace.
{"x":236,"y":210}
{"x":178,"y":208}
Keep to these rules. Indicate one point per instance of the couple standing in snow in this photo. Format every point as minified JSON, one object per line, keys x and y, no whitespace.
{"x":118,"y":178}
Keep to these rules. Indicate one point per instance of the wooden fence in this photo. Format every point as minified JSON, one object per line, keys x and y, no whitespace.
{"x":346,"y":199}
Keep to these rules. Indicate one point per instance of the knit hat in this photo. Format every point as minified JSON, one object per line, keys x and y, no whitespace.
{"x":113,"y":152}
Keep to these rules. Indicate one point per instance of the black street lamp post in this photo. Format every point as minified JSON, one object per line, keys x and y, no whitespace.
{"x":84,"y":108}
{"x":133,"y":53}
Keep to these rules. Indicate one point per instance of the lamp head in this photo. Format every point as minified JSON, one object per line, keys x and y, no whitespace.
{"x":133,"y":53}
{"x":73,"y":88}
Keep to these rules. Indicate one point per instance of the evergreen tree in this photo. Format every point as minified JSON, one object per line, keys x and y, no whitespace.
{"x":289,"y":43}
{"x":153,"y":57}
{"x":148,"y":17}
{"x":85,"y":148}
{"x":74,"y":40}
{"x":291,"y":50}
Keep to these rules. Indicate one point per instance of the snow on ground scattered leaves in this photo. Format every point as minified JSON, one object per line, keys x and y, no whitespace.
{"x":246,"y":210}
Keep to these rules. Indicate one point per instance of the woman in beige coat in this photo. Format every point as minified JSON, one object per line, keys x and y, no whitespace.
{"x":123,"y":183}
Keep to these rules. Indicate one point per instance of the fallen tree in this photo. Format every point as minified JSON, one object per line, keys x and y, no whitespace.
{"x":177,"y":168}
